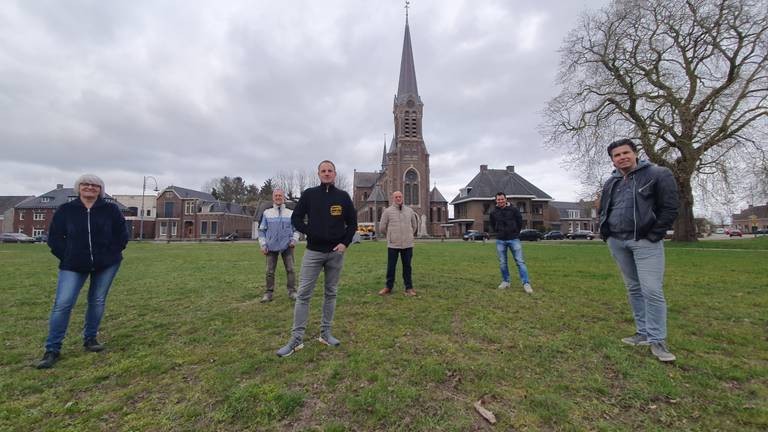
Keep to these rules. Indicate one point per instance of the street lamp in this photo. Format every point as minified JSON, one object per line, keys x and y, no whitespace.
{"x":141,"y":218}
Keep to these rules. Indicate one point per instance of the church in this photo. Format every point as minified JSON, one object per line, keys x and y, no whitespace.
{"x":405,"y":165}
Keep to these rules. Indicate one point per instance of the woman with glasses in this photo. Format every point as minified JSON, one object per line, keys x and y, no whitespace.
{"x":87,"y":235}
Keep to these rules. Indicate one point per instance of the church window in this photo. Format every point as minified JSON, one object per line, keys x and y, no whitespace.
{"x":439,"y":214}
{"x":411,"y":187}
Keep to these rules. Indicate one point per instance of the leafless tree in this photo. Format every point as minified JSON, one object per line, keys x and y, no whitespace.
{"x":686,"y":79}
{"x":296,"y":181}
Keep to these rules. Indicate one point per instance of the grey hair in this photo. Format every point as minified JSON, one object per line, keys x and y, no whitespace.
{"x":92,"y":179}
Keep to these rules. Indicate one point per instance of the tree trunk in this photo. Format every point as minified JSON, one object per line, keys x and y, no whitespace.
{"x":684,"y":226}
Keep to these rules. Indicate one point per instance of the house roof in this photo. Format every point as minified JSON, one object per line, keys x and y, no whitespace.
{"x":760,"y":211}
{"x":377,"y":195}
{"x":364,"y":179}
{"x":436,"y":196}
{"x":563,"y":207}
{"x":10,"y":201}
{"x":489,"y":181}
{"x":190,"y":193}
{"x":56,"y":197}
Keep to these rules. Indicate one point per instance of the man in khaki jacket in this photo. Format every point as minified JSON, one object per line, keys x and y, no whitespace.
{"x":399,"y":223}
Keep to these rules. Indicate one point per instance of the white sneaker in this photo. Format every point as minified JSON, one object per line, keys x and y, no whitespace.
{"x":504,"y":285}
{"x":527,"y":288}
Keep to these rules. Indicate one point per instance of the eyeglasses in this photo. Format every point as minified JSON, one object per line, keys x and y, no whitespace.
{"x":90,"y":185}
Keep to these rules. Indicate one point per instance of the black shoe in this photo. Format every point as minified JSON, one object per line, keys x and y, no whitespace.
{"x":92,"y":345}
{"x":49,"y":358}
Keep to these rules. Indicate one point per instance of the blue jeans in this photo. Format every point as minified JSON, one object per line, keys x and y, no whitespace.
{"x":67,"y":290}
{"x":642,"y":265}
{"x":517,"y":254}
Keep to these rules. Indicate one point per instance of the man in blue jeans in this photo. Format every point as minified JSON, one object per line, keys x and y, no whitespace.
{"x":638,"y":205}
{"x":507,"y":221}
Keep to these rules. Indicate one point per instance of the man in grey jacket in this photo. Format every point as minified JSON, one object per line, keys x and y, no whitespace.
{"x":399,"y":223}
{"x":277,"y":237}
{"x":638,"y":205}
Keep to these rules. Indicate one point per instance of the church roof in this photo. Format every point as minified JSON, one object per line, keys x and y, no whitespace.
{"x":377,"y":195}
{"x":364,"y":179}
{"x":489,"y":181}
{"x":407,"y":84}
{"x":436,"y":196}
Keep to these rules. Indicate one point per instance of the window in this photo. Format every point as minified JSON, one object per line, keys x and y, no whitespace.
{"x":168,"y":209}
{"x":203,"y":228}
{"x":163,"y":228}
{"x":149,"y":212}
{"x":46,"y":199}
{"x":37,"y":232}
{"x":538,"y":209}
{"x":189,"y":207}
{"x":521,"y":207}
{"x":173,"y":229}
{"x":574,"y":214}
{"x":439,"y":214}
{"x":411,"y":187}
{"x":486,"y":208}
{"x":214,"y":227}
{"x":21,"y":214}
{"x":38,"y":216}
{"x":169,"y":194}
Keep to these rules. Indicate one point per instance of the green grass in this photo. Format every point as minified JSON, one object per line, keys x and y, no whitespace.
{"x":191,"y":348}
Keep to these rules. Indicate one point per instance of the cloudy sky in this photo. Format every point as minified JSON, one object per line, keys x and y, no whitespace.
{"x":187,"y":91}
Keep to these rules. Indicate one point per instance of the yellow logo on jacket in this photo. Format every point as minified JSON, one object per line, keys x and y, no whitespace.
{"x":335,"y":210}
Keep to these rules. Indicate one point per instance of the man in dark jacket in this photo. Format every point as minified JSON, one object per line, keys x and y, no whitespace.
{"x":331,"y":223}
{"x":638,"y":205}
{"x":506,"y":221}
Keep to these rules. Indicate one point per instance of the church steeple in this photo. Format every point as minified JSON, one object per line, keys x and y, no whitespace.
{"x":407,"y":84}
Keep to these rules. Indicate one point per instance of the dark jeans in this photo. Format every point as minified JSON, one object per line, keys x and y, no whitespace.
{"x":405,"y":255}
{"x":287,"y":255}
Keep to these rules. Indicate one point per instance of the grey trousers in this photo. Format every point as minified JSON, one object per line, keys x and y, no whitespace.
{"x":311,"y":265}
{"x":287,"y":255}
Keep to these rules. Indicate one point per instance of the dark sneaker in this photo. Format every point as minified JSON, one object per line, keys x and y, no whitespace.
{"x":328,"y":339}
{"x":266,"y":298}
{"x":660,"y":350}
{"x":49,"y":358}
{"x":385,"y":291}
{"x":92,"y":345}
{"x":636,"y":339}
{"x":291,"y":347}
{"x":410,"y":292}
{"x":292,"y":295}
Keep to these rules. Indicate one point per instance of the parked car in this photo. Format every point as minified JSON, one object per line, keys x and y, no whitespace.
{"x":530,"y":235}
{"x":761,"y":232}
{"x":734,"y":233}
{"x":367,"y":235}
{"x":228,"y":237}
{"x":476,"y":235}
{"x":720,"y":231}
{"x":15,"y":238}
{"x":581,"y":234}
{"x":554,"y":235}
{"x":42,"y":238}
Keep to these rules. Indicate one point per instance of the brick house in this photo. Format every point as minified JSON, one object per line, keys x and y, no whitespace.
{"x":573,"y":216}
{"x":7,"y":211}
{"x":474,"y":203}
{"x":752,"y":217}
{"x":186,"y":214}
{"x":33,"y":216}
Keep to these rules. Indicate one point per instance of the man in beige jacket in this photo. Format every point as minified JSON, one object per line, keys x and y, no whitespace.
{"x":399,"y":223}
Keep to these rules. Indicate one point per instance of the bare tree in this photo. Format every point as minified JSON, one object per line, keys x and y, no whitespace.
{"x":687,"y":79}
{"x":296,"y":181}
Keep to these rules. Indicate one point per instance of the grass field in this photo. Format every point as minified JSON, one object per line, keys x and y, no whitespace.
{"x":191,"y":348}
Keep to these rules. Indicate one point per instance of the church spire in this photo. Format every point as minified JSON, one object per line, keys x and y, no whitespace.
{"x":384,"y":154}
{"x":407,"y":84}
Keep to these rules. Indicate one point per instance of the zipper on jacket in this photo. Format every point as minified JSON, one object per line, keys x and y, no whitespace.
{"x":634,"y":205}
{"x":649,"y":183}
{"x":90,"y":244}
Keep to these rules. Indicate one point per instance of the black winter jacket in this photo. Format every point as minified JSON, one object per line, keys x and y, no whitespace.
{"x":87,"y":240}
{"x":332,"y":218}
{"x":506,"y":222}
{"x":655,"y":201}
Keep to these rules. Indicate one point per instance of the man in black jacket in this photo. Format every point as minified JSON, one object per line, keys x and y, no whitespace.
{"x":638,"y":205}
{"x":507,"y":221}
{"x":331,"y":223}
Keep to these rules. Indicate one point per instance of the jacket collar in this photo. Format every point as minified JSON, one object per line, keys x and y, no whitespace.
{"x":641,"y":164}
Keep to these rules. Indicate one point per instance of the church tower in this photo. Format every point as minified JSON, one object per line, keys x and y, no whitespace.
{"x":405,"y":165}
